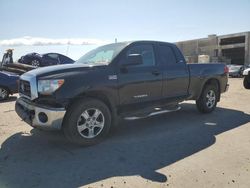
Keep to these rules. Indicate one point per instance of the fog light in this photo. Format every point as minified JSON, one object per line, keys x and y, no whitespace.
{"x":42,"y":117}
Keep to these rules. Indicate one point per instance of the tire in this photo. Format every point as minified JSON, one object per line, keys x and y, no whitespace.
{"x":87,"y":122}
{"x":246,"y":82}
{"x":4,"y":93}
{"x":208,"y":100}
{"x":35,"y":63}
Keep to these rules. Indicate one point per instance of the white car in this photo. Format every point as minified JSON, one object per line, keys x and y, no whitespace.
{"x":246,"y":82}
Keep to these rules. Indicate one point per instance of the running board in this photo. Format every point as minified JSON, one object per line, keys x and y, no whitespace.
{"x":152,"y":114}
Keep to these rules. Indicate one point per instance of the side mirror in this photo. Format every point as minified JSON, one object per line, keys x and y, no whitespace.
{"x":133,"y":59}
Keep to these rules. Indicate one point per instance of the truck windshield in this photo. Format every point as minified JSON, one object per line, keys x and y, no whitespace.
{"x":102,"y":55}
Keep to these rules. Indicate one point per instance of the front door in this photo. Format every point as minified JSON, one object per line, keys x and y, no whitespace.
{"x":140,"y":83}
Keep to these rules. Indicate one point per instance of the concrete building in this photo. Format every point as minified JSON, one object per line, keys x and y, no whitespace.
{"x":231,"y":49}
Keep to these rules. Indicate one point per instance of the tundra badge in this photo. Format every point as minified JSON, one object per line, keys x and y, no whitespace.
{"x":112,"y":77}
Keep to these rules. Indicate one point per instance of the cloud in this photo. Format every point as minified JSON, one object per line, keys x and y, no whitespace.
{"x":37,"y":41}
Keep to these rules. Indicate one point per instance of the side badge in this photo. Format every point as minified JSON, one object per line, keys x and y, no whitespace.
{"x":112,"y":77}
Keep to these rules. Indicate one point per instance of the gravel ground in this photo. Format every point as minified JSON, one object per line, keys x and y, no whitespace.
{"x":179,"y":149}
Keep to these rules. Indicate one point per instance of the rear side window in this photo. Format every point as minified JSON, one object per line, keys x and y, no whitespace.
{"x":179,"y":56}
{"x":147,"y":53}
{"x":166,"y":55}
{"x":53,"y":56}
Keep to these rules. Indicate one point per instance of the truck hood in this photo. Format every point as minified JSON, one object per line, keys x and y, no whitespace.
{"x":60,"y":70}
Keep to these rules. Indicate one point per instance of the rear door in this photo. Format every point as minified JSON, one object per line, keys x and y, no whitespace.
{"x":140,"y":83}
{"x":176,"y":74}
{"x":65,"y":60}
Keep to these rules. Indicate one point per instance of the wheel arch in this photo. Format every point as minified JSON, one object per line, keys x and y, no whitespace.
{"x":212,"y":81}
{"x":99,"y":95}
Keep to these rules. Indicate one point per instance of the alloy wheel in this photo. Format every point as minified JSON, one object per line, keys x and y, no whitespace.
{"x":210,"y":99}
{"x":3,"y":93}
{"x":90,"y":123}
{"x":35,"y":63}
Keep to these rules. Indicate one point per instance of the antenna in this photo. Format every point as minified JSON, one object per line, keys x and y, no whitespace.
{"x":67,"y":51}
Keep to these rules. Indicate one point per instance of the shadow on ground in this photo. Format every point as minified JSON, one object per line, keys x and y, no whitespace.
{"x":46,"y":159}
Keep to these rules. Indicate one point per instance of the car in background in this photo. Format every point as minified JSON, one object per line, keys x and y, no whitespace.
{"x":43,"y":60}
{"x":8,"y":84}
{"x":235,"y":70}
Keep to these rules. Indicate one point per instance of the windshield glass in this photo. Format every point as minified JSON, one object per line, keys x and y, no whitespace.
{"x":102,"y":55}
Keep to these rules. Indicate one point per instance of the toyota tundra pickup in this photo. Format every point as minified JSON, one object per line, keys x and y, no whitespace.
{"x":128,"y":80}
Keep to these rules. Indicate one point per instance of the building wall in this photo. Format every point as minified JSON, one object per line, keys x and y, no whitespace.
{"x":211,"y":46}
{"x":247,"y":50}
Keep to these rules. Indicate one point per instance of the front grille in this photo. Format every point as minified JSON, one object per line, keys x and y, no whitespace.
{"x":24,"y":88}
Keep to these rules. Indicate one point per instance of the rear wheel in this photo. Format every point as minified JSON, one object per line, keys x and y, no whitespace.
{"x":87,"y":122}
{"x":208,"y":99}
{"x":4,"y":93}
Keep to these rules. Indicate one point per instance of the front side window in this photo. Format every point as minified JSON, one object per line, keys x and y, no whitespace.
{"x":147,"y":53}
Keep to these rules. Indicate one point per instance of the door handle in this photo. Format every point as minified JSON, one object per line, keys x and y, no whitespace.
{"x":155,"y":72}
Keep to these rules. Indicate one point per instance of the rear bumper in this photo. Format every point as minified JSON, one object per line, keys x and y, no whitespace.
{"x":38,"y":116}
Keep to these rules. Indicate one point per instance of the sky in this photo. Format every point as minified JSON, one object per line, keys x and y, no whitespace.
{"x":77,"y":26}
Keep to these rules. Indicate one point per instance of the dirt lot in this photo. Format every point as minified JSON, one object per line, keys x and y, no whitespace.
{"x":180,"y":149}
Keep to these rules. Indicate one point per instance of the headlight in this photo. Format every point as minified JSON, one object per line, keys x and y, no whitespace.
{"x":47,"y":87}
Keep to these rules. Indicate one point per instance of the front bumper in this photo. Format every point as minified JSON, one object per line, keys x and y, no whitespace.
{"x":39,"y":116}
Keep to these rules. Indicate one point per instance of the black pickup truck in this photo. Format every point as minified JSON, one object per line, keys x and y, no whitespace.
{"x":128,"y":80}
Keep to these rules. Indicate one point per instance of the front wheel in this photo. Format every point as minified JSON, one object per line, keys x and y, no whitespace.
{"x":4,"y":93}
{"x":246,"y":82}
{"x":208,"y":99}
{"x":87,"y":122}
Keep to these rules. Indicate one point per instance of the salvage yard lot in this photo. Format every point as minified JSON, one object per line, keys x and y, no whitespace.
{"x":179,"y":149}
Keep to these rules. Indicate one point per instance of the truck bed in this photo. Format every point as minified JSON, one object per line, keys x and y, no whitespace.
{"x":201,"y":72}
